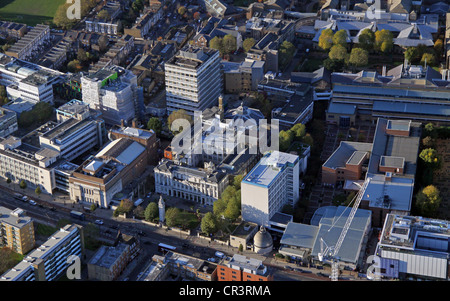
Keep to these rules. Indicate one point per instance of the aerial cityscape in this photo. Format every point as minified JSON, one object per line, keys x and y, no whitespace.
{"x":225,"y":140}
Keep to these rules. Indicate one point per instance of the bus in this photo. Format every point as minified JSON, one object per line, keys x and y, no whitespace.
{"x":77,"y":214}
{"x":163,"y":248}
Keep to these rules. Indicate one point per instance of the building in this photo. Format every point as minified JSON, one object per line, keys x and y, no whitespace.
{"x":242,"y":268}
{"x":203,"y":186}
{"x":8,"y":122}
{"x":347,"y":163}
{"x":33,"y":165}
{"x":30,"y":43}
{"x":270,"y":185}
{"x":242,"y":77}
{"x":144,"y":24}
{"x":304,"y":242}
{"x":243,"y":235}
{"x":11,"y":29}
{"x":114,"y":92}
{"x":179,"y":266}
{"x":413,"y":247}
{"x":145,"y":137}
{"x":193,"y":79}
{"x":101,"y":177}
{"x":16,"y":231}
{"x":108,"y":262}
{"x":51,"y":259}
{"x":404,"y":92}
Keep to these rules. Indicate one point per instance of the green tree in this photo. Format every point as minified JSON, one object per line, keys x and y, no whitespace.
{"x":411,"y":54}
{"x":366,"y":39}
{"x":23,"y":184}
{"x":103,"y":14}
{"x":229,"y":43}
{"x":38,"y":190}
{"x":209,"y":224}
{"x":340,"y":38}
{"x":151,"y":211}
{"x":384,"y":40}
{"x":428,"y":59}
{"x":93,"y":207}
{"x":60,"y":19}
{"x":359,"y":57}
{"x":430,"y":156}
{"x":217,"y":43}
{"x":326,"y":39}
{"x":172,"y":216}
{"x":338,"y":52}
{"x":333,"y":65}
{"x":286,"y":138}
{"x":248,"y":44}
{"x":233,"y":209}
{"x":299,"y":131}
{"x":439,"y":47}
{"x":428,"y":201}
{"x":237,"y":181}
{"x":155,"y":124}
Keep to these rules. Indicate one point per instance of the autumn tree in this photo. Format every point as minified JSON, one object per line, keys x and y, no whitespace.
{"x":217,"y":43}
{"x":428,"y":201}
{"x":248,"y":44}
{"x":229,"y":44}
{"x":338,"y":52}
{"x":326,"y":39}
{"x":340,"y":38}
{"x":359,"y":57}
{"x":384,"y":40}
{"x":366,"y":39}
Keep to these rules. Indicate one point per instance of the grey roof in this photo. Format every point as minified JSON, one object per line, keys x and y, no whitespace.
{"x":299,"y":235}
{"x":341,"y":108}
{"x":345,"y":151}
{"x":412,"y":108}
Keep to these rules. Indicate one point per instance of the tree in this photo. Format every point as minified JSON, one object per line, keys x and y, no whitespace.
{"x":181,"y":10}
{"x":233,"y":209}
{"x":340,"y":38}
{"x":338,"y":52}
{"x":229,"y":43}
{"x":366,"y":39}
{"x":139,"y":212}
{"x":308,"y":139}
{"x":172,"y":216}
{"x":299,"y":131}
{"x":155,"y":124}
{"x":38,"y":190}
{"x":151,"y":211}
{"x":326,"y":39}
{"x":93,"y":207}
{"x":179,"y":114}
{"x":103,"y":14}
{"x":427,"y":141}
{"x":359,"y":57}
{"x":237,"y":181}
{"x":411,"y":54}
{"x":60,"y":19}
{"x":439,"y":47}
{"x":428,"y":59}
{"x":429,"y":155}
{"x":217,"y":43}
{"x":248,"y":44}
{"x":103,"y":43}
{"x":428,"y":201}
{"x":196,"y":16}
{"x":384,"y":40}
{"x":333,"y":65}
{"x":82,"y":55}
{"x":23,"y":184}
{"x":209,"y":223}
{"x":285,"y":53}
{"x":286,"y":138}
{"x":74,"y":66}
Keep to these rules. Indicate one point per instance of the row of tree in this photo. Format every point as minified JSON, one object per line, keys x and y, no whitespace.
{"x":225,"y":45}
{"x":295,"y":133}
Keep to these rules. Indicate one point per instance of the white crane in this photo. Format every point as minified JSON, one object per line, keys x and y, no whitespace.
{"x":330,"y":252}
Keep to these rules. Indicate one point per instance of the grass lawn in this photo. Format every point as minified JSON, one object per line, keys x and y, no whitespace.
{"x":30,"y":12}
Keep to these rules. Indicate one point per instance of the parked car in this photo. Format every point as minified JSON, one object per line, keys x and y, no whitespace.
{"x":32,"y":203}
{"x":99,"y":222}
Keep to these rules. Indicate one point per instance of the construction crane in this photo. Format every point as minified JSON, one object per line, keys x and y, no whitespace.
{"x":330,"y":252}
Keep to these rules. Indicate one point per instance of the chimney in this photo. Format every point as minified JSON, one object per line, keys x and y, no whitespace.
{"x":384,"y":70}
{"x":388,"y":176}
{"x":122,"y":123}
{"x":134,"y":123}
{"x":221,"y":103}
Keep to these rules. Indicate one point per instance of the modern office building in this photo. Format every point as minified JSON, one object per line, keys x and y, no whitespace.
{"x":404,"y":92}
{"x":16,"y":230}
{"x":193,"y":79}
{"x":414,"y":247}
{"x":270,"y":185}
{"x":51,"y":259}
{"x":242,"y":268}
{"x":111,"y":170}
{"x":114,"y":92}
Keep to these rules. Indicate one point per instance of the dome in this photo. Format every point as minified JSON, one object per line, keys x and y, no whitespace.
{"x":263,"y":241}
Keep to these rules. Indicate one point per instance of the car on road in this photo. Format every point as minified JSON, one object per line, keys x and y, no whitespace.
{"x":33,"y":203}
{"x":141,"y":233}
{"x":24,"y":198}
{"x":99,"y":222}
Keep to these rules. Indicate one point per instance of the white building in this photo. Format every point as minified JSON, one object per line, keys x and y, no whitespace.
{"x":51,"y":259}
{"x":193,"y":79}
{"x":190,"y":183}
{"x":271,"y":184}
{"x":114,"y":92}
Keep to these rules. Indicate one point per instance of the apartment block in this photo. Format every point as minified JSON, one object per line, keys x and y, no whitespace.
{"x":31,"y":42}
{"x":8,"y":122}
{"x":193,"y":79}
{"x":50,"y":260}
{"x":242,"y":268}
{"x":271,"y":184}
{"x":16,"y":230}
{"x":11,"y":29}
{"x":108,"y":262}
